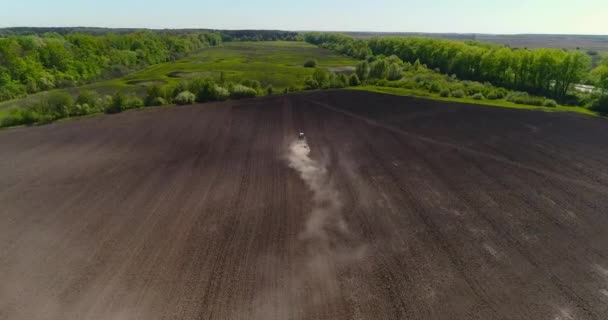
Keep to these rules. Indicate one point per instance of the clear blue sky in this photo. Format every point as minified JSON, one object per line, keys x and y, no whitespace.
{"x":466,"y":16}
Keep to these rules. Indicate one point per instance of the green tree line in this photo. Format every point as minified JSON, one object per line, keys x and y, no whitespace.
{"x":549,"y":72}
{"x":33,"y":63}
{"x":227,"y":35}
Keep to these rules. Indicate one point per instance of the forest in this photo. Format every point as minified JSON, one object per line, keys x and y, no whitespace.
{"x":35,"y":59}
{"x":40,"y":59}
{"x":33,"y":63}
{"x":549,"y":72}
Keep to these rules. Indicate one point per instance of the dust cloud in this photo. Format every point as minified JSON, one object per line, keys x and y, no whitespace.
{"x":326,"y":216}
{"x":329,"y":247}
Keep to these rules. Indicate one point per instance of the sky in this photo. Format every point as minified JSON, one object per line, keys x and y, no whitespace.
{"x":462,"y":16}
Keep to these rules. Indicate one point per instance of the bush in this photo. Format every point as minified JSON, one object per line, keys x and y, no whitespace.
{"x":518,"y":97}
{"x":240,"y":91}
{"x":185,"y":97}
{"x":251,"y":84}
{"x":492,"y":95}
{"x":311,"y":84}
{"x":117,"y":104}
{"x":269,"y":90}
{"x":87,"y":97}
{"x":322,"y":77}
{"x":58,"y":105}
{"x":354,"y":80}
{"x":550,"y":103}
{"x":343,"y":80}
{"x":310,"y":63}
{"x":362,"y":70}
{"x":501,"y":93}
{"x":154,"y":96}
{"x":133,"y":102}
{"x":407,"y":84}
{"x":435,"y":87}
{"x":209,"y":91}
{"x":220,"y":93}
{"x":478,"y":96}
{"x":158,"y":101}
{"x":600,"y":105}
{"x":524,"y":98}
{"x":394,"y":72}
{"x":444,"y":93}
{"x":81,"y":110}
{"x":378,"y":69}
{"x":20,"y":116}
{"x":458,"y":94}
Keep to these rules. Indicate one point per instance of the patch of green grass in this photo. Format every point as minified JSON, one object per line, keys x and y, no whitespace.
{"x":279,"y":64}
{"x":493,"y":103}
{"x":276,"y":63}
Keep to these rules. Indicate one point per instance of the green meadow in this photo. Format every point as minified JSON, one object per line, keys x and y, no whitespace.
{"x":491,"y":103}
{"x":276,"y":63}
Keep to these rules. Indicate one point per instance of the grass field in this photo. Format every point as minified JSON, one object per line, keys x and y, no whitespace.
{"x":277,"y":63}
{"x":493,"y":103}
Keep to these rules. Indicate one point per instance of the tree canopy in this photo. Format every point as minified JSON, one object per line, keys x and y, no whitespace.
{"x":33,"y":63}
{"x":543,"y":71}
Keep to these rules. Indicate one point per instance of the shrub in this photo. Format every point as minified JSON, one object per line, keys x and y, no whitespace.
{"x":354,"y":80}
{"x":209,"y":91}
{"x":393,"y":72}
{"x":310,"y":63}
{"x":311,"y":84}
{"x":550,"y":103}
{"x":322,"y":77}
{"x":154,"y":96}
{"x":600,"y":105}
{"x":472,"y":88}
{"x":81,"y":110}
{"x":158,"y":101}
{"x":343,"y":80}
{"x":185,"y":97}
{"x":492,"y":95}
{"x":407,"y":84}
{"x":458,"y":94}
{"x":117,"y":104}
{"x":220,"y":93}
{"x":378,"y":69}
{"x":251,"y":84}
{"x":501,"y":93}
{"x":524,"y":98}
{"x":240,"y":91}
{"x":337,"y":81}
{"x":87,"y":97}
{"x":362,"y":70}
{"x":518,"y":97}
{"x":269,"y":90}
{"x":444,"y":93}
{"x":58,"y":105}
{"x":435,"y":87}
{"x":20,"y":116}
{"x":133,"y":102}
{"x":478,"y":96}
{"x":178,"y":88}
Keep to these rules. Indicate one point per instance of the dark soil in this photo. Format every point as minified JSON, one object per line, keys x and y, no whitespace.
{"x":406,"y":209}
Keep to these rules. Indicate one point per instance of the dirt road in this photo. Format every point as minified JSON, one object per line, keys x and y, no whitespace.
{"x":392,"y":208}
